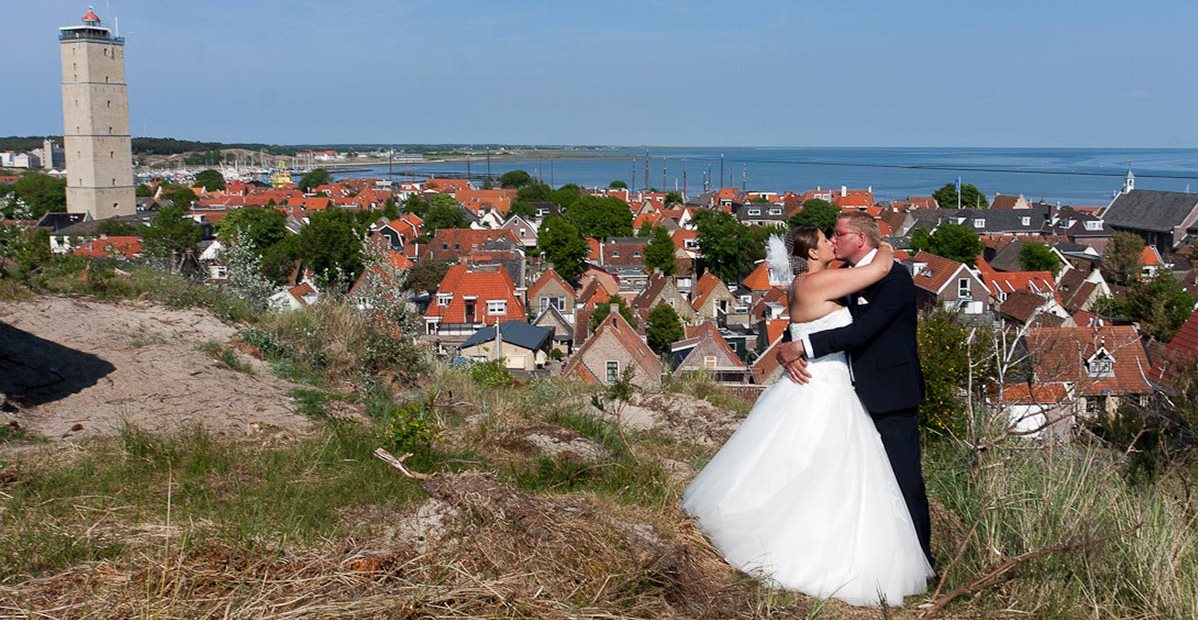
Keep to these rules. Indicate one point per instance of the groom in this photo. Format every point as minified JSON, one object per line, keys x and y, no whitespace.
{"x":884,"y":360}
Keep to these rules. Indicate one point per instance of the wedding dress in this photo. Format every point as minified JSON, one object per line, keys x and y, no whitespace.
{"x":802,"y":496}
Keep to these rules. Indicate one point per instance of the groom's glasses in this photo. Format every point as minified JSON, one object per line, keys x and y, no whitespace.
{"x":841,"y":233}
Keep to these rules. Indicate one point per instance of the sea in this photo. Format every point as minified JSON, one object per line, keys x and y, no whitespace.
{"x":1069,"y":176}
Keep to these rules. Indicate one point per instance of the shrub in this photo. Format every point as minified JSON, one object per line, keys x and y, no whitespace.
{"x":491,"y":374}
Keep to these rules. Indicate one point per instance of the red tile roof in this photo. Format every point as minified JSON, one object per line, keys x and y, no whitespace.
{"x":483,"y":286}
{"x":1059,"y":355}
{"x":546,"y":278}
{"x":937,"y":272}
{"x":1007,"y":282}
{"x":703,"y":288}
{"x":758,"y":279}
{"x":127,"y":246}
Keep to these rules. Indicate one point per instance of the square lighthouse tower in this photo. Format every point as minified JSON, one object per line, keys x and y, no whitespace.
{"x":95,"y":115}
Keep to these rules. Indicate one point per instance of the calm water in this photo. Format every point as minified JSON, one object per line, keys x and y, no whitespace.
{"x":1071,"y":176}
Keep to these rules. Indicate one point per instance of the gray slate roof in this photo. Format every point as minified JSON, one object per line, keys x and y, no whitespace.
{"x":1144,"y":209}
{"x":518,"y":333}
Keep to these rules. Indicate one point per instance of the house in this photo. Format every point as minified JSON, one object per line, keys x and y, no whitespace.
{"x":1163,"y":219}
{"x":1176,"y":366}
{"x":613,"y":350}
{"x":1078,"y":289}
{"x":1045,"y":412}
{"x":705,"y":351}
{"x":1150,"y":262}
{"x":712,"y":299}
{"x":622,"y":251}
{"x":402,"y":230}
{"x":524,"y":229}
{"x":1003,"y":283}
{"x":943,"y":281}
{"x":551,"y":290}
{"x":294,"y":297}
{"x":468,"y":300}
{"x":1104,"y":366}
{"x":453,"y":244}
{"x":563,"y":328}
{"x":757,"y":282}
{"x":662,"y":290}
{"x":521,"y":346}
{"x":1023,"y":307}
{"x":761,"y":214}
{"x":1009,"y":202}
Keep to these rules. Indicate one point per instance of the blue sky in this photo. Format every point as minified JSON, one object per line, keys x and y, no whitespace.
{"x":654,"y":72}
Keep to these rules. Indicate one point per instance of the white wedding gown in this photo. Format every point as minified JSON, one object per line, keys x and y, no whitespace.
{"x":803,"y":497}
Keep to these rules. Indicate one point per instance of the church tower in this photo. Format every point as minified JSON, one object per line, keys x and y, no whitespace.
{"x":95,"y":116}
{"x":1129,"y":182}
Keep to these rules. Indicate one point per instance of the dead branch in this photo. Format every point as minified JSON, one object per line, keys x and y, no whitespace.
{"x":997,"y":573}
{"x":398,"y":464}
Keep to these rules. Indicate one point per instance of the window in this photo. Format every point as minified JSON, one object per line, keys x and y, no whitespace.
{"x":1101,"y":364}
{"x":775,"y":211}
{"x":1025,"y":221}
{"x":443,"y":299}
{"x":636,"y":254}
{"x":544,"y":304}
{"x":613,"y":371}
{"x":108,"y":104}
{"x":615,"y":255}
{"x":979,"y":223}
{"x":1095,"y":406}
{"x":496,"y":306}
{"x":691,"y":244}
{"x":754,"y":211}
{"x":1094,"y":225}
{"x":963,"y":288}
{"x":709,"y":362}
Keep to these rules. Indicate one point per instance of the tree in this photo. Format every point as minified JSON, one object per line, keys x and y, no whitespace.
{"x":730,"y":249}
{"x":315,"y":178}
{"x":415,"y":205}
{"x":210,"y":180}
{"x":181,"y":196}
{"x":278,"y":261}
{"x":945,"y":360}
{"x":514,"y":179}
{"x":42,"y":193}
{"x":526,"y":210}
{"x":956,"y":242}
{"x":604,"y":309}
{"x":971,"y":198}
{"x":601,"y":217}
{"x":117,"y":228}
{"x":563,"y":246}
{"x":920,"y":240}
{"x":673,"y":198}
{"x":1121,"y":261}
{"x":1159,"y":304}
{"x":331,"y":248}
{"x":819,"y":213}
{"x":1038,"y":257}
{"x":664,"y":328}
{"x":390,"y":209}
{"x":566,"y":195}
{"x":617,"y":184}
{"x":534,"y":191}
{"x":445,"y":216}
{"x":426,"y":275}
{"x":144,"y":191}
{"x":259,"y":226}
{"x":171,"y":233}
{"x":245,"y":274}
{"x":659,"y":252}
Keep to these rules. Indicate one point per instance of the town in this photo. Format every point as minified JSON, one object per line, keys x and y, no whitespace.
{"x":529,"y":274}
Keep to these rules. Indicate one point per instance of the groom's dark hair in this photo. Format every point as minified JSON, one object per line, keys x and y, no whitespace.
{"x":864,"y":224}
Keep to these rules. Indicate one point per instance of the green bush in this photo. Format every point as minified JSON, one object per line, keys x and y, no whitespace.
{"x":491,"y":374}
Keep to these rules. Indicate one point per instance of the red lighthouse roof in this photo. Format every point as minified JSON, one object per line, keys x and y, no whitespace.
{"x":90,"y":16}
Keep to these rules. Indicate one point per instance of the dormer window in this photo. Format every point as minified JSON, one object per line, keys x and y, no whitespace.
{"x":691,"y":244}
{"x":443,"y":299}
{"x":979,"y":223}
{"x":1094,"y":225}
{"x":754,"y":211}
{"x":496,"y":306}
{"x":1101,"y":364}
{"x":1025,"y":221}
{"x":775,"y":211}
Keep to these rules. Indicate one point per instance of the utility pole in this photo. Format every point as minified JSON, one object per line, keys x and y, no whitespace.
{"x":663,"y":179}
{"x":489,"y":166}
{"x":744,"y":177}
{"x":721,"y":169}
{"x":684,"y":186}
{"x":646,"y":186}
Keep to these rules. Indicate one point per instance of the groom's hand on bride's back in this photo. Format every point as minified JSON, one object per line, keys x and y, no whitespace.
{"x":792,"y":357}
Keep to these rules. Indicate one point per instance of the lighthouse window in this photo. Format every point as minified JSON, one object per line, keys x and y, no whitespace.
{"x":108,"y":103}
{"x":114,"y":182}
{"x":111,"y":154}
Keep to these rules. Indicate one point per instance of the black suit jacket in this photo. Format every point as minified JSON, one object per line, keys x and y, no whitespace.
{"x":881,"y":344}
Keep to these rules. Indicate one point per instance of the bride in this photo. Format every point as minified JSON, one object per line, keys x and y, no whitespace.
{"x":802,"y":495}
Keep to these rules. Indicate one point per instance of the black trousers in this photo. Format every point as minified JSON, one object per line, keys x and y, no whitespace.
{"x":900,"y":435}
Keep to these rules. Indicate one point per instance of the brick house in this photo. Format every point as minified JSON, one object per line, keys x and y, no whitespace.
{"x":705,"y":350}
{"x":661,"y":289}
{"x":551,"y":290}
{"x":712,"y":299}
{"x":614,"y":347}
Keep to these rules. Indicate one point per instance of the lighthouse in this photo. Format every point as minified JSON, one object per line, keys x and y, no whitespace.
{"x":95,"y":117}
